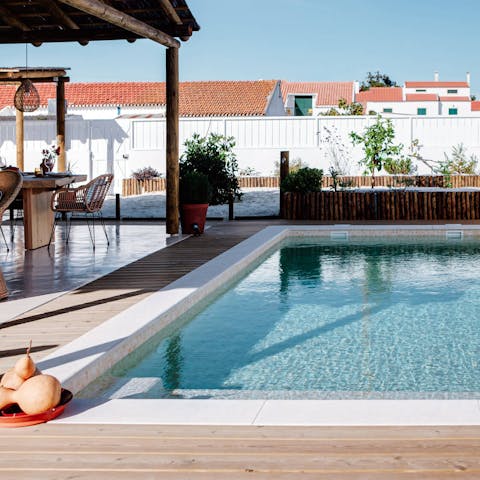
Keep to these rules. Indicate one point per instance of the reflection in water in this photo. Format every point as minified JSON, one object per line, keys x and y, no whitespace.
{"x":173,"y":365}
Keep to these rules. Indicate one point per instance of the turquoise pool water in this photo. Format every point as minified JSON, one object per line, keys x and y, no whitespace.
{"x":328,"y":319}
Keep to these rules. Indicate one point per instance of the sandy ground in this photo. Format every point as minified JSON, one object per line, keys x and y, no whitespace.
{"x":255,"y":202}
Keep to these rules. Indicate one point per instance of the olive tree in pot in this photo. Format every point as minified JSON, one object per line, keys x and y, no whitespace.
{"x":195,"y":194}
{"x":213,"y":157}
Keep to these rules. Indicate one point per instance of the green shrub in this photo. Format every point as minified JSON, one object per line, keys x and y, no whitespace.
{"x":214,"y":157}
{"x":194,"y":188}
{"x":303,"y":180}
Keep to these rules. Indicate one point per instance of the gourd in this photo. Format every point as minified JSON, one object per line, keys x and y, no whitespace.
{"x":36,"y":394}
{"x":24,"y":368}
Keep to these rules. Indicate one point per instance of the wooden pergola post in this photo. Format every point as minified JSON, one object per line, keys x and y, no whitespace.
{"x":172,"y":207}
{"x":62,"y":158}
{"x":19,"y":135}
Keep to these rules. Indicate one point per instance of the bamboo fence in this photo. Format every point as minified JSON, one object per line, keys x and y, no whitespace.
{"x":383,"y":205}
{"x":130,"y":186}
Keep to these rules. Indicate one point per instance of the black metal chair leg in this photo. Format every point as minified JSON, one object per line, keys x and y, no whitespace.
{"x":104,"y":228}
{"x":4,"y":239}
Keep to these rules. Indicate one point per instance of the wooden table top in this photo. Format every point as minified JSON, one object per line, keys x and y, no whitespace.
{"x":31,"y":181}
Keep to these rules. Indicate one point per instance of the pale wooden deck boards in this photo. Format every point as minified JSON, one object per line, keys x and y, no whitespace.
{"x":211,"y":453}
{"x":57,"y":451}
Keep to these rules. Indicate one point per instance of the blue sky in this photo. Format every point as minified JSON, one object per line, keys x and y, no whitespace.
{"x":294,"y":40}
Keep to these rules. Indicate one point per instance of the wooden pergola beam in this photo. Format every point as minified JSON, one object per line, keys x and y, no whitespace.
{"x":172,"y":120}
{"x":59,"y":15}
{"x":122,"y":20}
{"x":33,"y":75}
{"x":12,"y":20}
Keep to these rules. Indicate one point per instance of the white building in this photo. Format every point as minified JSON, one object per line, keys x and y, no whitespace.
{"x":430,"y":98}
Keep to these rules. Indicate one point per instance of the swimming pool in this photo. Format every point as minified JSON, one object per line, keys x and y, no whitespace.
{"x":320,"y":319}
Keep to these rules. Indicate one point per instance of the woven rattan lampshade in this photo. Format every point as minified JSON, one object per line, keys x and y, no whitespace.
{"x":27,"y":98}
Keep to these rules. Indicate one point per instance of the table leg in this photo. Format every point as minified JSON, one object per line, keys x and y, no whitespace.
{"x":37,"y":217}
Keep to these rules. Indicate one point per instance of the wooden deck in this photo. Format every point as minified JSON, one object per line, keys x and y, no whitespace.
{"x":210,"y":453}
{"x":56,"y":451}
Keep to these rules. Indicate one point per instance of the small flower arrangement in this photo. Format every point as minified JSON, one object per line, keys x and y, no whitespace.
{"x":50,"y":155}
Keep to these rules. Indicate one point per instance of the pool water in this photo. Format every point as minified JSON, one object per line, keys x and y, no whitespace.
{"x":324,"y":319}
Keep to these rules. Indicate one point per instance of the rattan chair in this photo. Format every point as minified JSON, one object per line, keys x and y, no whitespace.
{"x":10,"y":184}
{"x":87,"y":199}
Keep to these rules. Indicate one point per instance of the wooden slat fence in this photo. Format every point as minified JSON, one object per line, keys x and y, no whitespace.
{"x":131,"y":186}
{"x":383,"y":205}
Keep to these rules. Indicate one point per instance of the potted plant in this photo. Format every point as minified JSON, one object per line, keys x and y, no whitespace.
{"x":195,"y":192}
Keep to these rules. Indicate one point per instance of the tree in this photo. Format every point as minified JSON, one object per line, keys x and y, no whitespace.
{"x":377,"y":79}
{"x":378,"y":145}
{"x":345,"y":108}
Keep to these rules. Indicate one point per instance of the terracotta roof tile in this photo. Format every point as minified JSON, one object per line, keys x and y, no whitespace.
{"x":328,"y":93}
{"x":433,"y":84}
{"x":380,"y":94}
{"x":455,"y":99}
{"x":225,"y":98}
{"x":215,"y":98}
{"x":476,"y":106}
{"x":422,"y":97}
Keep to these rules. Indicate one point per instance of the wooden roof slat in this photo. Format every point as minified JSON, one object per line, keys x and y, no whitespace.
{"x":170,"y":11}
{"x":12,"y":19}
{"x":59,"y":14}
{"x":43,"y":21}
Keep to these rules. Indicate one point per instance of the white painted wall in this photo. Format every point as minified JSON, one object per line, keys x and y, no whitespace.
{"x":123,"y":145}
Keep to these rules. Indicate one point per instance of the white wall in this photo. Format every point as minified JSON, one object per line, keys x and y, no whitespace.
{"x":124,"y":145}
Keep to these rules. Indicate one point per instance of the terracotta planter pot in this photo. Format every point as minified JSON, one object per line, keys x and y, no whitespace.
{"x":192,"y":217}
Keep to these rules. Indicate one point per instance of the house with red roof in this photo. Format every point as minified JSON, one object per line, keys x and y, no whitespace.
{"x":107,"y":100}
{"x":315,"y":98}
{"x":430,"y":98}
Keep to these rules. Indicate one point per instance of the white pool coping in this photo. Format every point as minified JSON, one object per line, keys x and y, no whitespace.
{"x":81,"y":361}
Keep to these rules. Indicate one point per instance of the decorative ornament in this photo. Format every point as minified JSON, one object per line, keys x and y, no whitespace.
{"x":27,"y":98}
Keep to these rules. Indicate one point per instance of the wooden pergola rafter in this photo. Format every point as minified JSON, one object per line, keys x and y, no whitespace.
{"x":83,"y":21}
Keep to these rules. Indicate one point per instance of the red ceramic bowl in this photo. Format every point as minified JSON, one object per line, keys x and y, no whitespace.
{"x":12,"y":416}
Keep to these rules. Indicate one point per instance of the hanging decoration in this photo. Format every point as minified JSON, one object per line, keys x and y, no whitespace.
{"x":26,"y":98}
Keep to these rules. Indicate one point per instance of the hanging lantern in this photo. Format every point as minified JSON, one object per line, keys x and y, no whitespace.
{"x":27,"y":98}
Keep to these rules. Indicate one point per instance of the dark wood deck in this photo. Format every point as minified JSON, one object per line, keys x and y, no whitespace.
{"x":57,"y":451}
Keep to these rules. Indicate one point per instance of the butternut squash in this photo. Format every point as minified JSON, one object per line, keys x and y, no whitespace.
{"x":11,"y":380}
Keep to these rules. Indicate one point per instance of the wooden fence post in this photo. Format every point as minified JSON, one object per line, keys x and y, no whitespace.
{"x":284,"y":170}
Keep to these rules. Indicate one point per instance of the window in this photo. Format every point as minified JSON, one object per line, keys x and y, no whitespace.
{"x":452,"y":111}
{"x":421,"y":111}
{"x":452,"y":91}
{"x":387,"y":110}
{"x":303,"y":105}
{"x":420,"y":90}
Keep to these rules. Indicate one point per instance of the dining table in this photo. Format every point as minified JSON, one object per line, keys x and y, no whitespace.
{"x":38,"y":216}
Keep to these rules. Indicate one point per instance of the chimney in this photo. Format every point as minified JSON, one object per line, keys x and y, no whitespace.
{"x":468,"y":78}
{"x":435,"y":76}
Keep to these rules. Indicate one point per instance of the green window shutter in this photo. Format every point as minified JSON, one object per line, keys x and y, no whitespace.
{"x":421,"y":111}
{"x":453,"y":111}
{"x":303,"y":106}
{"x":387,"y":110}
{"x":452,"y":91}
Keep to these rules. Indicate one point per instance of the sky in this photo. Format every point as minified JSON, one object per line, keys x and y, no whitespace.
{"x":295,"y":40}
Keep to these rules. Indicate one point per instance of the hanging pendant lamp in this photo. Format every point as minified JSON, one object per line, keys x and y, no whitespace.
{"x":27,"y":98}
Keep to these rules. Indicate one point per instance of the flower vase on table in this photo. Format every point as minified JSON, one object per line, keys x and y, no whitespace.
{"x":50,"y":155}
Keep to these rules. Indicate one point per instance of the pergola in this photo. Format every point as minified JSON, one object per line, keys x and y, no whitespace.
{"x":83,"y":21}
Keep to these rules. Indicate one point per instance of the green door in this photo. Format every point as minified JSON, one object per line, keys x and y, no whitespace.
{"x":303,"y":106}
